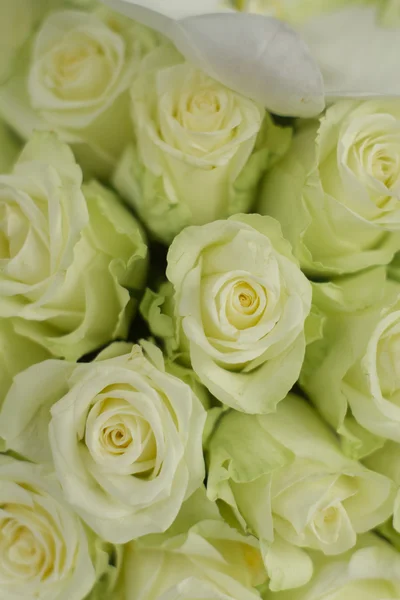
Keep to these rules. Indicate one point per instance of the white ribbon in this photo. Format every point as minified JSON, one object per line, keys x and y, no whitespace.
{"x":255,"y":55}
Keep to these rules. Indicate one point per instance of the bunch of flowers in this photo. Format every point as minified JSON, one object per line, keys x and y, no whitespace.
{"x":199,"y":308}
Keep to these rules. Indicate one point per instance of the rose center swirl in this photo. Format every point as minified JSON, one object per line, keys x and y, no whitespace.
{"x":244,"y":303}
{"x":27,"y":546}
{"x":118,"y":438}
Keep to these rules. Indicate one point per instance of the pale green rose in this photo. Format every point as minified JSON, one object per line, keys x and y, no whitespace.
{"x":45,"y":551}
{"x":200,"y":557}
{"x":74,"y":78}
{"x":285,"y":479}
{"x":352,"y":372}
{"x":70,"y":255}
{"x":200,"y":148}
{"x":337,"y":191}
{"x":236,"y":311}
{"x":125,"y":438}
{"x":370,"y":572}
{"x":9,"y":148}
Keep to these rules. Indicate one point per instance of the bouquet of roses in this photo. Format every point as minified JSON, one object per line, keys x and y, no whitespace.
{"x":199,"y":300}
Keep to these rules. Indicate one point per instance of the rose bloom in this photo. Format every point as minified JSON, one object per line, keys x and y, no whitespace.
{"x":337,"y":192}
{"x":44,"y":549}
{"x":76,"y":83}
{"x":351,"y":371}
{"x":170,"y":566}
{"x":284,"y":477}
{"x":235,"y":310}
{"x":69,"y":253}
{"x":200,"y":148}
{"x":125,"y":437}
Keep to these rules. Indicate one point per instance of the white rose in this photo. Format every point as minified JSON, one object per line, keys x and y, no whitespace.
{"x":68,"y":253}
{"x":351,"y":373}
{"x":336,"y":192}
{"x":200,"y":557}
{"x":285,"y":478}
{"x":236,"y":312}
{"x":200,"y":148}
{"x":44,"y":550}
{"x":76,"y":83}
{"x":125,"y":438}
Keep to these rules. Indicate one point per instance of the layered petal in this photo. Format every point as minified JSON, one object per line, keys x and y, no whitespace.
{"x":236,"y":311}
{"x":350,"y":372}
{"x":195,"y":139}
{"x":73,"y":260}
{"x":335,"y":191}
{"x":44,"y":547}
{"x":284,"y":478}
{"x":124,"y":436}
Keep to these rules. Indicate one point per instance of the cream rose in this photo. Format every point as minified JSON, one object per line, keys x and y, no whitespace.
{"x":125,"y":438}
{"x":351,"y":372}
{"x":200,"y":147}
{"x":76,"y":83}
{"x":69,"y":254}
{"x":199,"y":557}
{"x":337,"y":191}
{"x":44,"y":550}
{"x":286,"y":480}
{"x":235,"y":309}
